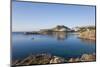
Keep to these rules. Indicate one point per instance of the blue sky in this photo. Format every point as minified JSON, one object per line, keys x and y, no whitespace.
{"x":28,"y":16}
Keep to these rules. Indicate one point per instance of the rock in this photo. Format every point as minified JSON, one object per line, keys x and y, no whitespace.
{"x":84,"y":57}
{"x":77,"y":59}
{"x":56,"y":59}
{"x":88,"y":57}
{"x":71,"y":60}
{"x":49,"y":59}
{"x":74,"y":60}
{"x":89,"y":34}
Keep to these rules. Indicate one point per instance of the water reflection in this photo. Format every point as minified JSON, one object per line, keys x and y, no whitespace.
{"x":87,"y":41}
{"x":64,"y":36}
{"x":57,"y":35}
{"x":60,"y":35}
{"x":68,"y":46}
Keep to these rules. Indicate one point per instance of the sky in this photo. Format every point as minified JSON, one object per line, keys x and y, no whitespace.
{"x":31,"y":16}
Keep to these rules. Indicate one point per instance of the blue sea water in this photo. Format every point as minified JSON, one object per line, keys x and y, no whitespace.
{"x":65,"y":45}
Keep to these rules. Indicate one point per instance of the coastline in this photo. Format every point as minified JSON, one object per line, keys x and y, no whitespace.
{"x":41,"y":59}
{"x":89,"y":35}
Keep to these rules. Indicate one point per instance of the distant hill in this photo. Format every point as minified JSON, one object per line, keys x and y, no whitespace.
{"x":61,"y":28}
{"x":58,"y":28}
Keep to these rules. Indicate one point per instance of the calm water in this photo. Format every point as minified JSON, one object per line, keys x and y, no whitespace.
{"x":59,"y":44}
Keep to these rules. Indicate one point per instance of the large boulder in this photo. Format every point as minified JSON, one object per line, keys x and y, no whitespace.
{"x":56,"y":59}
{"x":88,"y":57}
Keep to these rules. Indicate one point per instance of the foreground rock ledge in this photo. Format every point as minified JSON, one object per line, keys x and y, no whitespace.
{"x":49,"y":59}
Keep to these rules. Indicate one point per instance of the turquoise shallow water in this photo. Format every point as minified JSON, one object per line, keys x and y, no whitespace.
{"x":59,"y":44}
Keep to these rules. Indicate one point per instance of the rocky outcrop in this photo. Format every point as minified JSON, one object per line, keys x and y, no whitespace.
{"x":88,"y":57}
{"x":84,"y":58}
{"x":86,"y":32}
{"x":39,"y":59}
{"x":49,"y":59}
{"x":56,"y":59}
{"x":74,"y":60}
{"x":89,"y":34}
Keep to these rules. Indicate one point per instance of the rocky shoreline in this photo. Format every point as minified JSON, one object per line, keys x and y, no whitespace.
{"x":88,"y":35}
{"x":40,"y":59}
